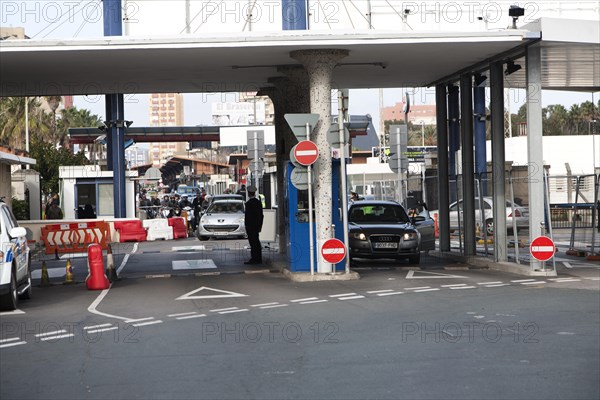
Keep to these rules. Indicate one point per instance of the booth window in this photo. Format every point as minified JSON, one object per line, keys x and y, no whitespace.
{"x":106,"y":205}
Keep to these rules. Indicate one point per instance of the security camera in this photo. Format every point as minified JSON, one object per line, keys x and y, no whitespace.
{"x":406,"y":11}
{"x":480,"y":18}
{"x":516,"y":11}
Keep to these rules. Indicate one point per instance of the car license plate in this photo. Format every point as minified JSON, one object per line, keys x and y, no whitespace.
{"x":385,"y":245}
{"x":221,"y":233}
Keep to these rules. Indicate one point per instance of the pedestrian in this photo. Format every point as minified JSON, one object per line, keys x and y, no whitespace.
{"x":253,"y":221}
{"x":242,"y":191}
{"x":54,"y":212}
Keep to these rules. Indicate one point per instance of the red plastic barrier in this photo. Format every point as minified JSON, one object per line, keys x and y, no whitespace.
{"x":179,"y":227}
{"x":74,"y":237}
{"x":96,"y":279}
{"x":131,"y":231}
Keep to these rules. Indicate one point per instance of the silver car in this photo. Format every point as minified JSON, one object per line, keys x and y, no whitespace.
{"x":222,"y":219}
{"x":521,"y":215}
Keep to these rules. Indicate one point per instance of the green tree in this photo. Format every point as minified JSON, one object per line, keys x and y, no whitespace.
{"x":12,"y":121}
{"x":49,"y":158}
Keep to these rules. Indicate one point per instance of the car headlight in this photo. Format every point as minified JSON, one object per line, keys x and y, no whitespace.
{"x":410,"y":236}
{"x":240,"y":221}
{"x":360,"y":236}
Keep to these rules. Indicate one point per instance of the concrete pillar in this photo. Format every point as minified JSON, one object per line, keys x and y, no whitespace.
{"x":535,"y":153}
{"x":319,"y":65}
{"x":498,"y":156}
{"x":468,"y":176}
{"x":443,"y":178}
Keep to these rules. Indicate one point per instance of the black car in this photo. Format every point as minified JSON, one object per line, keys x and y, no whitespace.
{"x":383,"y":229}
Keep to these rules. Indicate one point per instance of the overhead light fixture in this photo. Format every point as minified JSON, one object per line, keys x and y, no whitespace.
{"x":479,"y":79}
{"x":511,"y":67}
{"x":515,"y":12}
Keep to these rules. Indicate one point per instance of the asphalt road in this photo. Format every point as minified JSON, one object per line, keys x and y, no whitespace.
{"x":440,"y":331}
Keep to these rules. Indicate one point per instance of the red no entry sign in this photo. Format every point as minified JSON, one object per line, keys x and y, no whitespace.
{"x":306,"y":152}
{"x":542,"y":248}
{"x":333,"y":251}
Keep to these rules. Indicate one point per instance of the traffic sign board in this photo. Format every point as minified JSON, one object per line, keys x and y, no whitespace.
{"x":333,"y":251}
{"x":297,"y":123}
{"x":299,"y":178}
{"x":542,"y":248}
{"x":306,"y":152}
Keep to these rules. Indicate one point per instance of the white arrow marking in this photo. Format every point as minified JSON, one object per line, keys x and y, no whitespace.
{"x":436,"y":275}
{"x":224,"y":294}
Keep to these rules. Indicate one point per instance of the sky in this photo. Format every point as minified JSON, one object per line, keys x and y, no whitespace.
{"x":81,"y":19}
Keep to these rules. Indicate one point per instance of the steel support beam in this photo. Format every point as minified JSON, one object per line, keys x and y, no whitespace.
{"x":115,"y":134}
{"x":443,"y":177}
{"x":535,"y":153}
{"x":468,"y":176}
{"x":498,"y":157}
{"x":453,"y":137}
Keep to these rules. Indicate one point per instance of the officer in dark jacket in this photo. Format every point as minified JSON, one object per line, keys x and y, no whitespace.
{"x":253,"y":221}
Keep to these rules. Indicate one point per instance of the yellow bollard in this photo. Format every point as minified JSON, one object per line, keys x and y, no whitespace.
{"x":45,"y":278}
{"x":69,"y":276}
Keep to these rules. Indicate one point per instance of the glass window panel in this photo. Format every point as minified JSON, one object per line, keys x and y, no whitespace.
{"x":106,"y":205}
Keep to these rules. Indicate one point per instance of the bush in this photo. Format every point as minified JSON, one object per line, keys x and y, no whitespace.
{"x":20,"y":209}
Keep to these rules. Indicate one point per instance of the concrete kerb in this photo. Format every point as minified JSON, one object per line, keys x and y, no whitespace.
{"x":485,"y":263}
{"x":282,"y":267}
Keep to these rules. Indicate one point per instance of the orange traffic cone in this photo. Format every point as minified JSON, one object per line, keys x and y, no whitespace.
{"x":436,"y":228}
{"x":45,"y":278}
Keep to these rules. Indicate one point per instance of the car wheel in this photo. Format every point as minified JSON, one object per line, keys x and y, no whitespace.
{"x":10,"y":300}
{"x":203,"y":238}
{"x":489,"y":227}
{"x":416,"y":259}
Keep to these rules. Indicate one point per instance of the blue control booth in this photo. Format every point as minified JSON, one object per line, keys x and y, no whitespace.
{"x":297,"y":232}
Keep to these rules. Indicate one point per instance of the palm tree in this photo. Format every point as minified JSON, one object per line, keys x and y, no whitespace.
{"x":12,"y":120}
{"x":75,"y":118}
{"x":53,"y":103}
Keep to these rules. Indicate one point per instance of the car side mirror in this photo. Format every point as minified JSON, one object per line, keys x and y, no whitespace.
{"x":417,"y":218}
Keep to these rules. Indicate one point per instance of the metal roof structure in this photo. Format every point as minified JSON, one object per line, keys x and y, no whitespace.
{"x":236,"y":62}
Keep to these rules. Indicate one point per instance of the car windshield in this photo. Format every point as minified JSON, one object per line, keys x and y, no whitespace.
{"x":226,"y":207}
{"x":378,"y":213}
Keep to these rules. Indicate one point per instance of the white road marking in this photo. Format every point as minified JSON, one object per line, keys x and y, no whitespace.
{"x":193,"y":264}
{"x":182,"y":314}
{"x":523,"y":280}
{"x":129,"y":321}
{"x":126,"y":258}
{"x":223,"y":309}
{"x":567,"y":280}
{"x":565,"y":333}
{"x":389,"y":293}
{"x":457,"y":285}
{"x":430,"y":275}
{"x":112,"y":328}
{"x":188,"y":248}
{"x":274,"y":306}
{"x":46,"y":338}
{"x":72,"y":255}
{"x":158,"y":321}
{"x":351,"y":297}
{"x":489,"y":283}
{"x":533,"y":283}
{"x":13,"y":312}
{"x":39,"y":335}
{"x":426,"y":290}
{"x":593,"y":279}
{"x":342,"y":295}
{"x":262,"y":305}
{"x":85,"y":328}
{"x":417,"y":288}
{"x":10,"y":340}
{"x":234,"y":311}
{"x":379,"y":291}
{"x":463,"y":287}
{"x":191,"y":316}
{"x":306,"y":299}
{"x":222,"y":294}
{"x":313,"y":301}
{"x":479,"y":316}
{"x":501,"y":284}
{"x":567,"y":265}
{"x":2,"y":346}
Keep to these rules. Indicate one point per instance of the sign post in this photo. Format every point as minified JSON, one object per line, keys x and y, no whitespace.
{"x":542,"y":248}
{"x":306,"y":153}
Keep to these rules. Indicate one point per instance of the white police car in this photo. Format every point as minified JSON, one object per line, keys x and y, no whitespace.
{"x":15,"y":263}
